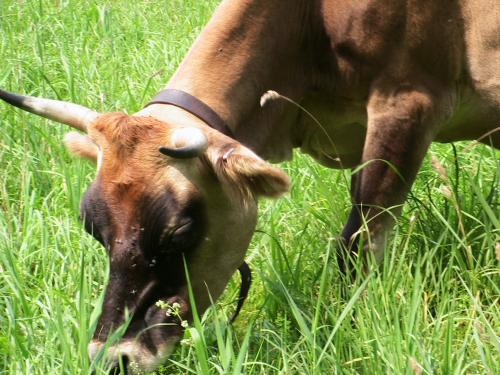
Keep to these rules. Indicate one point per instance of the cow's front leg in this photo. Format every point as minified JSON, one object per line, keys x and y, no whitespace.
{"x":401,"y":125}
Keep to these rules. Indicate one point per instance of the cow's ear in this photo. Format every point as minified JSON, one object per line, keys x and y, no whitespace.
{"x":247,"y":174}
{"x":81,"y":145}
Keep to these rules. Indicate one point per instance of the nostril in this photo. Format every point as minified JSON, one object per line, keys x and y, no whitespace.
{"x":120,"y":368}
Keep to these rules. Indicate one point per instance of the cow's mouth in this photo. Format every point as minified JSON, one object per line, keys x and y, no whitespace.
{"x":133,"y":357}
{"x":156,"y":326}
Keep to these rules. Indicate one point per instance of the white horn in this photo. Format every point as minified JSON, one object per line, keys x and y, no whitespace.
{"x":74,"y":115}
{"x":186,"y":143}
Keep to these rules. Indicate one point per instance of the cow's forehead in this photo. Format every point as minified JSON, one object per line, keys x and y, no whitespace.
{"x":127,"y":180}
{"x":129,"y":159}
{"x":122,"y":133}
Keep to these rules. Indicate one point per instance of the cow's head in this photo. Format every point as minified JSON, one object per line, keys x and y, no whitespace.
{"x":165,"y":196}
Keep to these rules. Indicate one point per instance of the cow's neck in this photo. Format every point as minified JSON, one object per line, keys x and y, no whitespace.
{"x":248,"y":47}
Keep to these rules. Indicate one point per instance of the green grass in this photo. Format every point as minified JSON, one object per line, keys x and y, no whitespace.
{"x":434,"y":308}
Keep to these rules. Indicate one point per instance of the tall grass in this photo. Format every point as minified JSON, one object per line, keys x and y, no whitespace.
{"x":434,"y":308}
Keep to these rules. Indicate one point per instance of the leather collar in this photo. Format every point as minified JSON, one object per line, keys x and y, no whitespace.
{"x":194,"y":106}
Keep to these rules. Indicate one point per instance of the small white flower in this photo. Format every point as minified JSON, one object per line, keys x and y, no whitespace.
{"x":134,"y":367}
{"x":161,"y":304}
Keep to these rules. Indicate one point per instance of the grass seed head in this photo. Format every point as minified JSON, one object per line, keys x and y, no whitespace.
{"x":268,"y":96}
{"x":439,"y":168}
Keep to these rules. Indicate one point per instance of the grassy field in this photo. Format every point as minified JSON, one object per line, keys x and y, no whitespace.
{"x":434,"y":308}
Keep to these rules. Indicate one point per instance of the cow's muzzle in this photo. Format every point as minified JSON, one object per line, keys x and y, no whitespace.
{"x":150,"y":338}
{"x":133,"y":356}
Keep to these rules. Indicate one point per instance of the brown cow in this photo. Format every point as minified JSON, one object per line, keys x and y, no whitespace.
{"x":384,"y":78}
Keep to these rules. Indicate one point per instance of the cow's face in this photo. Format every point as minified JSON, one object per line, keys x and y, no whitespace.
{"x":157,"y":214}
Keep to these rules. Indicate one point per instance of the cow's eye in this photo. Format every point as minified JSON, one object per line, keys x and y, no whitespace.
{"x":182,"y":237}
{"x":176,"y":238}
{"x":182,"y":228}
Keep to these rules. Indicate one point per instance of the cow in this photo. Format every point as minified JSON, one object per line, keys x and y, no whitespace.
{"x":366,"y":84}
